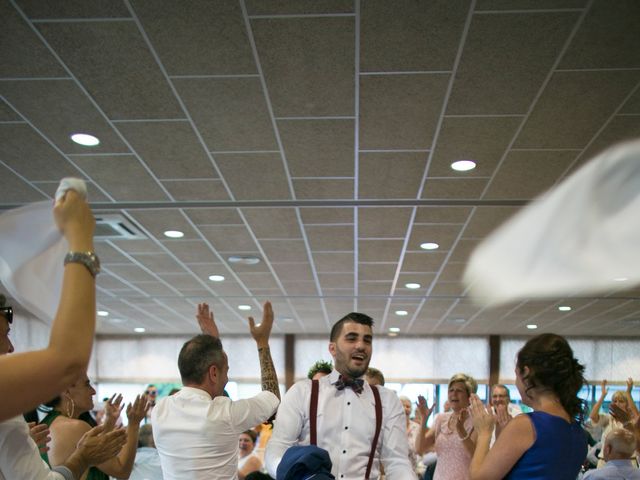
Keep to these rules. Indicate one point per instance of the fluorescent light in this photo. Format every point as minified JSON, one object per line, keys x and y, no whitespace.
{"x":402,"y":313}
{"x":85,"y":139}
{"x":620,"y":279}
{"x":286,"y":319}
{"x":463,"y":165}
{"x":412,"y":286}
{"x":244,"y":307}
{"x":532,"y":326}
{"x":139,"y":329}
{"x":394,"y":329}
{"x":173,"y":234}
{"x":216,"y":278}
{"x":103,"y":313}
{"x":429,"y":246}
{"x":564,"y":308}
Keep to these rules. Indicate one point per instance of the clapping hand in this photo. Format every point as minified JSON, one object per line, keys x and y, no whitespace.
{"x":112,"y":409}
{"x":483,"y":419}
{"x":98,"y":445}
{"x":206,"y":321}
{"x":137,"y":411}
{"x":39,"y":432}
{"x":423,"y":409}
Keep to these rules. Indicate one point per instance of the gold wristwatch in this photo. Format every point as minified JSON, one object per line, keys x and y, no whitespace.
{"x":88,"y":259}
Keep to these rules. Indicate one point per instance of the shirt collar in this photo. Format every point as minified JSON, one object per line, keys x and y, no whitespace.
{"x":194,"y":392}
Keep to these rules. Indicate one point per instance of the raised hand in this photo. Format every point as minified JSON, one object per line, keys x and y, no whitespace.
{"x":483,"y":419}
{"x":261,"y":331}
{"x":423,"y":408}
{"x":98,"y":445}
{"x":629,"y":384}
{"x":39,"y":432}
{"x":74,"y":218}
{"x":206,"y":321}
{"x":112,"y":410}
{"x":137,"y":411}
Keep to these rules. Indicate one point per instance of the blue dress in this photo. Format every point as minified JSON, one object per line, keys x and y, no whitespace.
{"x":559,"y":450}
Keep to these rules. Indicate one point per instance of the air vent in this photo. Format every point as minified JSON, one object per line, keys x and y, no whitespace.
{"x":116,"y":226}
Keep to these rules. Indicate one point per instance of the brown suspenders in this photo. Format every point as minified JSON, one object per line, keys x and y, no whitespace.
{"x":313,"y":414}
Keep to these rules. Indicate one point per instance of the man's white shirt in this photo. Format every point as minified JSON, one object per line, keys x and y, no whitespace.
{"x":346,"y":425}
{"x":197,"y":437}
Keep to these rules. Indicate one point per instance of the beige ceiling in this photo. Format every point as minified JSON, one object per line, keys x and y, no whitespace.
{"x":317,"y":136}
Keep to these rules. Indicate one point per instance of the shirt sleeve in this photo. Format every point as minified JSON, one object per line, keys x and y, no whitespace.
{"x":394,"y":453}
{"x":287,"y":426}
{"x":19,"y":457}
{"x":249,"y":412}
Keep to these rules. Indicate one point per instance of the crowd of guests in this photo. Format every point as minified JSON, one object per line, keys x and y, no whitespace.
{"x":341,"y":422}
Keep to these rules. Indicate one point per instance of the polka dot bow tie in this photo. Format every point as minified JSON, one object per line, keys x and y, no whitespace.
{"x":346,"y":382}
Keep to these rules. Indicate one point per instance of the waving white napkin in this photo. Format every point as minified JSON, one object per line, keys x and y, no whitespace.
{"x":581,"y":236}
{"x":32,"y":250}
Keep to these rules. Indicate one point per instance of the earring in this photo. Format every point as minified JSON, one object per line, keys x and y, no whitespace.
{"x":70,"y":411}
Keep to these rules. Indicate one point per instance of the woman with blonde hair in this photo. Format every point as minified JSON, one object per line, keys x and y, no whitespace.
{"x":452,"y":432}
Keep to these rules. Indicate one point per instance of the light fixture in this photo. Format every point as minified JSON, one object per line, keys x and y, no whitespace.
{"x":429,"y":246}
{"x":244,"y":307}
{"x":392,"y":334}
{"x":463,"y":165}
{"x":103,"y":313}
{"x":286,"y":319}
{"x":216,"y":278}
{"x":457,"y":321}
{"x":532,"y":326}
{"x":412,"y":286}
{"x":394,"y":329}
{"x":117,"y":320}
{"x":173,"y":234}
{"x":564,"y":308}
{"x":139,"y":329}
{"x":243,"y":259}
{"x":620,"y":279}
{"x":402,"y":313}
{"x":85,"y":139}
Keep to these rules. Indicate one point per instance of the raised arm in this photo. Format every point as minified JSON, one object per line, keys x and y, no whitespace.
{"x":120,"y":465}
{"x":56,"y":367}
{"x":260,"y":334}
{"x":206,"y":321}
{"x":426,"y":437}
{"x":632,"y":405}
{"x":595,"y":411}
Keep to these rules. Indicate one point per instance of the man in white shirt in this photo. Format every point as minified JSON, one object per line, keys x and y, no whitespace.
{"x":196,"y":430}
{"x":618,"y":450}
{"x":346,"y":418}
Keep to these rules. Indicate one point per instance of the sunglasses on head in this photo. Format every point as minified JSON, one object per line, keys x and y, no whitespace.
{"x":8,"y":313}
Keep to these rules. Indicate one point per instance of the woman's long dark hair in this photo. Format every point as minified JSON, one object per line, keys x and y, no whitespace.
{"x":553,"y":367}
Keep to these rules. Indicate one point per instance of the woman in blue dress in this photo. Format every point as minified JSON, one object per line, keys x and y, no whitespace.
{"x":548,"y":443}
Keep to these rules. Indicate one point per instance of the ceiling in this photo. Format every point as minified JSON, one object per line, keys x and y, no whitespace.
{"x":318,"y":137}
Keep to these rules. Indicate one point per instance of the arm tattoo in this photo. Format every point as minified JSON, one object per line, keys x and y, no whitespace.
{"x":268,"y":372}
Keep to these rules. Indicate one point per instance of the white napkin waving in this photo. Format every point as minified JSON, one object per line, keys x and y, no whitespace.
{"x":32,"y":251}
{"x":581,"y":236}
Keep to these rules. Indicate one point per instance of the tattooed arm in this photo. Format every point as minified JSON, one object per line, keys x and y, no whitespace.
{"x":260,"y":334}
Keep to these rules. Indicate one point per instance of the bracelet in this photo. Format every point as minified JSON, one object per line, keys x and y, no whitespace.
{"x":89,"y":259}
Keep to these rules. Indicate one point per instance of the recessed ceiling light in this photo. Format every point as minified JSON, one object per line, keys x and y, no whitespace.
{"x":394,"y":329}
{"x":216,"y":278}
{"x":173,"y":234}
{"x":392,"y":334}
{"x":402,"y":313}
{"x":139,"y":329}
{"x":412,"y":286}
{"x":463,"y":165}
{"x":532,"y":326}
{"x":85,"y":139}
{"x":243,"y":259}
{"x":564,"y":308}
{"x":117,"y":320}
{"x":620,"y":279}
{"x":457,"y":321}
{"x":103,"y":313}
{"x":429,"y":246}
{"x":286,"y":319}
{"x":244,"y":307}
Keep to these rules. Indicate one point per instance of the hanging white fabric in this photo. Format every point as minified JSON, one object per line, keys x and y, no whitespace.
{"x":581,"y":237}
